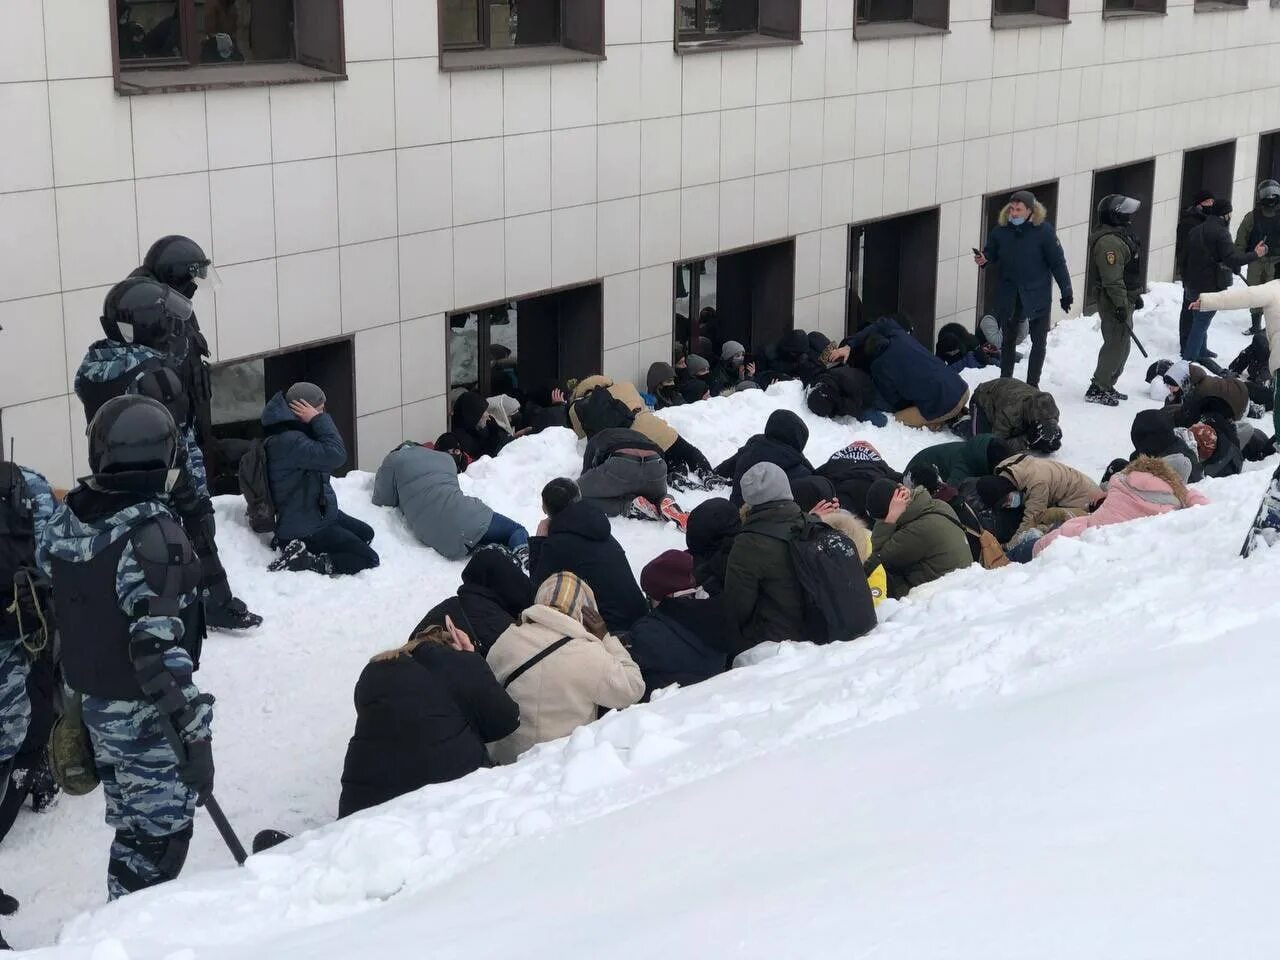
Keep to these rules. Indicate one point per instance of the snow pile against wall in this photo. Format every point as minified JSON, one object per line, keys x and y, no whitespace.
{"x":1038,"y":760}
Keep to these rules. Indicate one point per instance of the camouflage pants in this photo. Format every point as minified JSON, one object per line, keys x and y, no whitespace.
{"x":195,"y":463}
{"x":150,"y":808}
{"x":15,"y":706}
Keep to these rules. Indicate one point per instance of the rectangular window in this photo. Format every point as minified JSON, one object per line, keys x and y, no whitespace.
{"x":1011,"y":14}
{"x":1208,"y":6}
{"x":877,"y":19}
{"x":1133,"y":8}
{"x":499,"y":33}
{"x":889,"y":272}
{"x":718,"y":23}
{"x":166,"y":45}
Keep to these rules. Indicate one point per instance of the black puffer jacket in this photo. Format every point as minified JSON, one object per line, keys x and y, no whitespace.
{"x":579,"y":540}
{"x":494,"y":591}
{"x":713,"y":525}
{"x":782,"y":443}
{"x":793,"y":358}
{"x":852,"y":471}
{"x":422,"y":719}
{"x":842,"y":392}
{"x":682,"y":640}
{"x":476,"y":440}
{"x":1210,"y":257}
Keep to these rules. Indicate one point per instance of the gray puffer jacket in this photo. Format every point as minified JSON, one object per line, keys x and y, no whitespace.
{"x":423,"y":483}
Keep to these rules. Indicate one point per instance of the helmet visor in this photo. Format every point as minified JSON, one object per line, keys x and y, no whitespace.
{"x":1127,"y":206}
{"x":208,"y":274}
{"x":176,"y":306}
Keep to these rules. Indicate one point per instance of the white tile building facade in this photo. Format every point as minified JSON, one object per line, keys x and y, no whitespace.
{"x":375,"y":205}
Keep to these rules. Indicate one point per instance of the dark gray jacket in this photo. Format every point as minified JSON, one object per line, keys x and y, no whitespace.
{"x":423,"y":483}
{"x":301,"y":459}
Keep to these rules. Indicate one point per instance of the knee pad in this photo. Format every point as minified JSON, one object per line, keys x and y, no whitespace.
{"x":150,"y":860}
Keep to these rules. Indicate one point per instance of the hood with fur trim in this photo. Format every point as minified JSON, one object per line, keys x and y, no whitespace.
{"x":1038,"y":214}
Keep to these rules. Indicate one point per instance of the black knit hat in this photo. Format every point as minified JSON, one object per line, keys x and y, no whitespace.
{"x":926,"y":475}
{"x":1221,"y":208}
{"x":993,"y":490}
{"x":1201,"y":196}
{"x":878,"y":497}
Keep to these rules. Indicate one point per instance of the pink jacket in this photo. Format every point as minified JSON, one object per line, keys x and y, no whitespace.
{"x":1130,"y":496}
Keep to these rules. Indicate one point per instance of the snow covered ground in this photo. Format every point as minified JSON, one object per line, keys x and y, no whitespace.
{"x":1064,"y":759}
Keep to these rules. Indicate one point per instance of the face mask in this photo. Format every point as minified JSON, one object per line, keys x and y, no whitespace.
{"x":1017,"y":221}
{"x":1013,"y":501}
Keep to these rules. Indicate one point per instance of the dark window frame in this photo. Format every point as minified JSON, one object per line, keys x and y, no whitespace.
{"x":1219,"y":6}
{"x":1046,"y":13}
{"x":921,"y":225}
{"x":319,"y":54}
{"x":927,"y":17}
{"x":580,"y":29}
{"x":775,"y":23}
{"x":1119,"y":9}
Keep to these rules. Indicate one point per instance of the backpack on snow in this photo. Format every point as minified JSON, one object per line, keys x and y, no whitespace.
{"x":600,"y":410}
{"x":837,"y":598}
{"x":252,"y":473}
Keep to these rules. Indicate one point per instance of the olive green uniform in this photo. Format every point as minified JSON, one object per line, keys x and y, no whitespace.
{"x":1256,"y":227}
{"x":1114,"y":254}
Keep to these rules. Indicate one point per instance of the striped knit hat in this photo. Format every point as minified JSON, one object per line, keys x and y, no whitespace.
{"x":567,"y":593}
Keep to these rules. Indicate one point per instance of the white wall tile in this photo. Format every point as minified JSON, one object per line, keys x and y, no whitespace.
{"x":172,"y":130}
{"x":737,"y":143}
{"x":242,"y":205}
{"x":869,"y":124}
{"x":737,"y":213}
{"x":366,"y":28}
{"x":841,"y":66}
{"x":81,"y":326}
{"x":238,"y":124}
{"x":700,"y":149}
{"x":897,"y":122}
{"x":427,"y":275}
{"x":623,"y":19}
{"x":247,"y":310}
{"x":660,"y":81}
{"x":738,"y":70}
{"x":41,"y":435}
{"x":97,"y":232}
{"x":657,"y":293}
{"x":657,"y":24}
{"x":660,"y":154}
{"x":773,"y":137}
{"x":25,"y":108}
{"x":868,"y":188}
{"x":922,"y":185}
{"x":479,"y":264}
{"x":771,"y":206}
{"x":806,"y":313}
{"x":527,"y":173}
{"x":618,"y":86}
{"x":928,"y":60}
{"x":92,"y":139}
{"x":378,"y":370}
{"x":808,"y":264}
{"x":367,"y":197}
{"x":310,"y":298}
{"x":833,"y":265}
{"x":37,"y":370}
{"x":622,"y":363}
{"x":805,"y":199}
{"x":377,"y":434}
{"x":951,"y":111}
{"x":424,"y":188}
{"x":837,"y":193}
{"x":977,"y":108}
{"x":476,"y":100}
{"x":574,"y":95}
{"x":618,"y":236}
{"x":526,"y":100}
{"x":832,"y":313}
{"x":924,"y":116}
{"x":80,"y":46}
{"x":950,"y":175}
{"x":302,"y":121}
{"x":306,"y":205}
{"x":897,"y":183}
{"x":370,"y":278}
{"x":424,"y":112}
{"x":363,"y":121}
{"x":22,"y":42}
{"x":618,"y":166}
{"x":808,"y":67}
{"x":425,"y":420}
{"x":169,"y":205}
{"x":573,"y":245}
{"x":621,"y":309}
{"x":806,"y":133}
{"x":700,"y":89}
{"x":699,"y":220}
{"x":659,"y":228}
{"x":573,"y":166}
{"x":423,"y":372}
{"x":773,"y":75}
{"x":528,"y":253}
{"x":414,"y":29}
{"x":837,"y":129}
{"x":477,"y":180}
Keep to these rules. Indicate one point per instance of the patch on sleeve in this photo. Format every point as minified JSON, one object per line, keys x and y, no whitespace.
{"x":1111,"y":257}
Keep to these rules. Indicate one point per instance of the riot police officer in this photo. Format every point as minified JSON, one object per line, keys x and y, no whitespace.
{"x":126,"y":594}
{"x":1115,"y":255}
{"x":146,"y":324}
{"x":1261,"y":225}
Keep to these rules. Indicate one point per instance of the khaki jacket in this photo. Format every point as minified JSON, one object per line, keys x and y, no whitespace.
{"x":1047,"y":485}
{"x":655,"y":428}
{"x":564,"y":690}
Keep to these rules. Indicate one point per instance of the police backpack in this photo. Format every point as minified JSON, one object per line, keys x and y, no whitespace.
{"x":260,"y":508}
{"x":601,"y":410}
{"x":17,"y":526}
{"x":837,"y":598}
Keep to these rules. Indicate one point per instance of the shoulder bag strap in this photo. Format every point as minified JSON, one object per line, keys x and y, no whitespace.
{"x":533,"y":661}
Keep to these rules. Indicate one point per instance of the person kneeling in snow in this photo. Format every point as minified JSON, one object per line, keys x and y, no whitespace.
{"x":423,"y":483}
{"x":681,"y":639}
{"x":1048,"y":492}
{"x":625,"y":475}
{"x":1024,"y":417}
{"x":782,"y":443}
{"x":561,"y":665}
{"x":424,"y":713}
{"x":1147,"y":487}
{"x":493,"y":594}
{"x":917,"y":538}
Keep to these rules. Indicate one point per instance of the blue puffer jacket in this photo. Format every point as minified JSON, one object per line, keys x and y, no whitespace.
{"x":1027,"y":255}
{"x":300,"y":460}
{"x":905,"y":373}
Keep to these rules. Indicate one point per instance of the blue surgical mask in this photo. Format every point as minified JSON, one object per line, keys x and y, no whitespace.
{"x":1013,"y":501}
{"x":1017,"y":221}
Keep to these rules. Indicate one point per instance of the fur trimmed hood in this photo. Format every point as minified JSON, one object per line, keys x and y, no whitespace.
{"x":1038,"y":214}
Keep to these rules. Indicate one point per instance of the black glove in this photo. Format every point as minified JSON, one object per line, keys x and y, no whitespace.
{"x":197,"y":770}
{"x":1137,"y":304}
{"x":1065,"y":303}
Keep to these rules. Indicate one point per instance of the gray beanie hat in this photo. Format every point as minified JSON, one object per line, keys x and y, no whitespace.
{"x":731,"y":349}
{"x":1023,"y":196}
{"x":696,"y":365}
{"x":309,"y":392}
{"x":765,"y":483}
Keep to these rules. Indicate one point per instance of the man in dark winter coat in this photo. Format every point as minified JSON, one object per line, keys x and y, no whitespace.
{"x":1023,"y":416}
{"x":782,"y":443}
{"x":303,"y":449}
{"x":424,"y":713}
{"x":852,"y":470}
{"x":763,"y":597}
{"x":681,"y":640}
{"x":921,"y":389}
{"x":1209,"y":261}
{"x":1188,"y":220}
{"x":713,"y":526}
{"x":1024,"y":247}
{"x":575,"y":537}
{"x":475,"y":426}
{"x":957,"y":462}
{"x":846,"y":392}
{"x":661,"y":381}
{"x":917,"y":538}
{"x":493,"y":594}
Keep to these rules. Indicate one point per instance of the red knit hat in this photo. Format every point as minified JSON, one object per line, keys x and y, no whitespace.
{"x":667,"y":573}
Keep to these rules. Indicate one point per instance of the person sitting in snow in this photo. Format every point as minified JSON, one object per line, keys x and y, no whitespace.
{"x":917,"y":538}
{"x":1154,"y":435}
{"x":423,"y":484}
{"x":925,"y":475}
{"x":625,"y":475}
{"x":473,"y":423}
{"x":852,"y":470}
{"x":1023,"y":416}
{"x":792,"y":357}
{"x":424,"y":713}
{"x":959,"y":460}
{"x":493,"y":594}
{"x":782,"y":443}
{"x":713,"y":526}
{"x":1049,"y":492}
{"x":561,"y":665}
{"x":681,"y":639}
{"x":1218,"y":446}
{"x":575,"y":537}
{"x":734,"y":372}
{"x":661,"y":381}
{"x":1148,"y":487}
{"x":856,"y":532}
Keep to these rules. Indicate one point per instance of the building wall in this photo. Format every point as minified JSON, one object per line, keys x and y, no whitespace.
{"x":373,"y":206}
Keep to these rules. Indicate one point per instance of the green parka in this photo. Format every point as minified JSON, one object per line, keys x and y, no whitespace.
{"x":926,"y":543}
{"x":957,"y":461}
{"x":762,"y":598}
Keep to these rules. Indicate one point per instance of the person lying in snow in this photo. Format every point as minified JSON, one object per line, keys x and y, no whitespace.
{"x":424,"y":713}
{"x":713,"y":526}
{"x":959,"y":460}
{"x":852,"y":470}
{"x":961,"y":350}
{"x":1218,"y":446}
{"x":423,"y":483}
{"x":561,"y":665}
{"x":845,"y":392}
{"x":1154,"y":435}
{"x":625,"y":475}
{"x":1147,"y":487}
{"x":1048,"y":492}
{"x":1024,"y":417}
{"x":1193,"y":392}
{"x":917,"y":538}
{"x":493,"y":594}
{"x":681,"y":639}
{"x":782,"y":443}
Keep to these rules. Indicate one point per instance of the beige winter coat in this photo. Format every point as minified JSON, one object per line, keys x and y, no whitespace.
{"x":563,"y":691}
{"x":1047,"y":485}
{"x":655,"y":428}
{"x":1264,"y":297}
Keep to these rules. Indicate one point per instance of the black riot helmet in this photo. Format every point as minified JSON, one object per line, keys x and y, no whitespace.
{"x":1269,"y":194}
{"x":179,"y":262}
{"x":1117,"y":210}
{"x":148,"y":312}
{"x":136,"y":436}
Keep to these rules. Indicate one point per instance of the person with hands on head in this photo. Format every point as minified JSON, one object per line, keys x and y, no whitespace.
{"x":917,"y":539}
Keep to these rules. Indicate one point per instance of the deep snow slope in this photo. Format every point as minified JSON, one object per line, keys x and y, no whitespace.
{"x":1061,"y":759}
